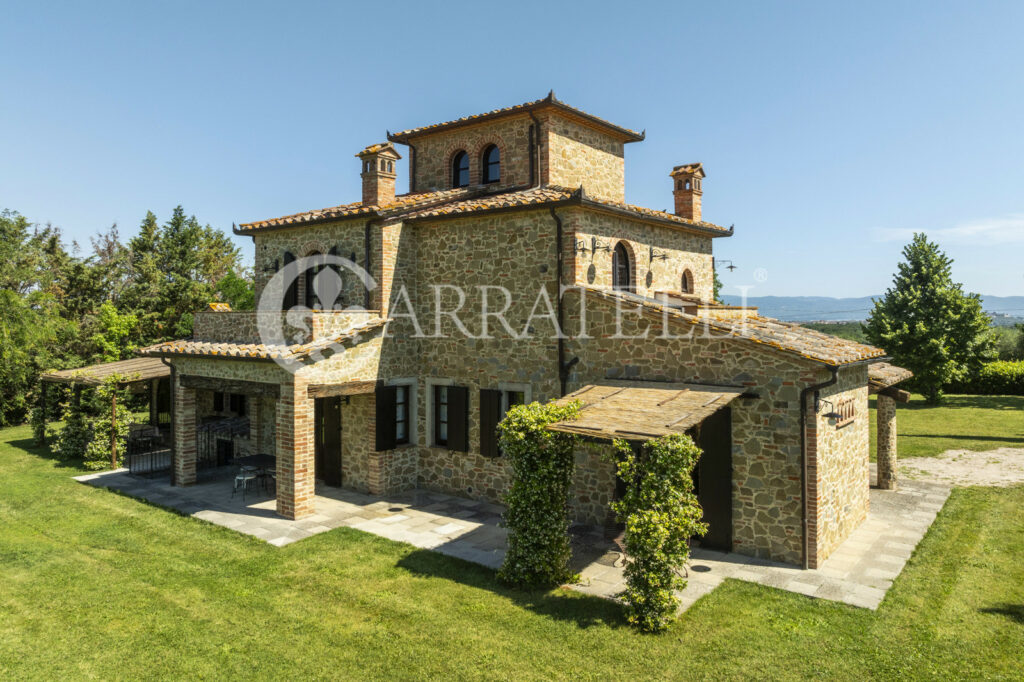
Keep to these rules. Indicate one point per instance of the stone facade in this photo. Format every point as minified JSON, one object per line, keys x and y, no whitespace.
{"x":576,"y":155}
{"x":839,"y":472}
{"x":434,"y":153}
{"x":675,"y":252}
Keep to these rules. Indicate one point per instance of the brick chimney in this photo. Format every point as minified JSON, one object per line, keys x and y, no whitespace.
{"x":378,"y":173}
{"x":686,"y":180}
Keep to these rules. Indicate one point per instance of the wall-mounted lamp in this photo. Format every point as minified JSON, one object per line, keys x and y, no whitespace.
{"x":579,"y":246}
{"x":596,"y":246}
{"x":659,"y":256}
{"x":730,"y":267}
{"x":272,"y":267}
{"x":831,"y":414}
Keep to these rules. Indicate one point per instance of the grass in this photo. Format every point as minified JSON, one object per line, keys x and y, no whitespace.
{"x":94,"y":584}
{"x":962,"y":422}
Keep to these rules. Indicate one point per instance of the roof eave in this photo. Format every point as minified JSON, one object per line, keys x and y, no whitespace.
{"x":550,"y":101}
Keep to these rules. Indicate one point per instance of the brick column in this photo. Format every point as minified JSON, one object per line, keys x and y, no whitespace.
{"x":295,"y":452}
{"x":184,"y":435}
{"x":886,"y":442}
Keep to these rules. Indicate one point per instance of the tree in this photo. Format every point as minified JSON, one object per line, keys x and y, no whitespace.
{"x":716,"y":285}
{"x":928,"y":324}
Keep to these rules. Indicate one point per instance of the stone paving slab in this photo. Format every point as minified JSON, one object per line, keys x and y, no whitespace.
{"x":859,"y":572}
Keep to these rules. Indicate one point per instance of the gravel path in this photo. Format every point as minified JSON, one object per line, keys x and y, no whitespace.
{"x":1001,"y":467}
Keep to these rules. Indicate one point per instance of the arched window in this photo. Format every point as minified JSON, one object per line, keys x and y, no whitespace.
{"x":312,"y":302}
{"x":491,"y":162}
{"x":687,"y":185}
{"x":622,"y":279}
{"x":460,"y":170}
{"x":687,"y":284}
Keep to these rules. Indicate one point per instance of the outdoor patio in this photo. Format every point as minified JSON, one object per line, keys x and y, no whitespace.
{"x":859,"y":572}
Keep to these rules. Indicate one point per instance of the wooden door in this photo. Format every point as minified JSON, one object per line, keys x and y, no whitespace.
{"x":327,"y":419}
{"x":713,"y":478}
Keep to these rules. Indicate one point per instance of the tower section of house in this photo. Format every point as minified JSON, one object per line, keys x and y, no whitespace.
{"x":402,"y":327}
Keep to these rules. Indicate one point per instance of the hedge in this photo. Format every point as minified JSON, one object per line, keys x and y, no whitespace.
{"x":1004,"y":377}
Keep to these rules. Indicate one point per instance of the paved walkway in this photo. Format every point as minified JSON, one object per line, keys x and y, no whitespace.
{"x":859,"y":572}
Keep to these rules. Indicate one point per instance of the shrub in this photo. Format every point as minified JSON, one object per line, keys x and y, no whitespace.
{"x":661,"y":514}
{"x":537,"y":502}
{"x":994,"y":378}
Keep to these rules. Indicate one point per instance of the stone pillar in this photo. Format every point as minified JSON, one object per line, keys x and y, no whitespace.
{"x":296,"y":485}
{"x":184,"y":435}
{"x":886,"y":442}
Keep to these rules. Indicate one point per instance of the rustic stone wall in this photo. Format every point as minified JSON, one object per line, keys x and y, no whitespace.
{"x":434,"y":153}
{"x":841,"y":464}
{"x":593,"y":486}
{"x":682,"y":250}
{"x":574,"y":154}
{"x":357,"y":441}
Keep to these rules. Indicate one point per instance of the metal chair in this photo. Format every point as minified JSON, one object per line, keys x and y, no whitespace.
{"x":245,"y":476}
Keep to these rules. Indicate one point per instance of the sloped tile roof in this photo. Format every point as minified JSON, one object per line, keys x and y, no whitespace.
{"x":401,"y":203}
{"x":548,"y":102}
{"x":259,"y":351}
{"x":783,"y":336}
{"x":467,"y":200}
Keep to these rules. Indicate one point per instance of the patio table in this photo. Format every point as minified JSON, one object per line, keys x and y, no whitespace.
{"x":261,"y":461}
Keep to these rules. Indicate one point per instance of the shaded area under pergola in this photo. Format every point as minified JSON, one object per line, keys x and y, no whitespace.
{"x":138,"y":374}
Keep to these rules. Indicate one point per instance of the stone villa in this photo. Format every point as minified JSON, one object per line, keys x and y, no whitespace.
{"x":384,"y":388}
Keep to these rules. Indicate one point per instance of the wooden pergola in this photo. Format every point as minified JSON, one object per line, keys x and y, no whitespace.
{"x":132,"y":372}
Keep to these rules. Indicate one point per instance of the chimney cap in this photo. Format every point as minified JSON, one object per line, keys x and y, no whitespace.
{"x":689,"y":169}
{"x":379,"y":149}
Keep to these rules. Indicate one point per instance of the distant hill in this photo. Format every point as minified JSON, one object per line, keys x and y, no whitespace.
{"x":808,"y":308}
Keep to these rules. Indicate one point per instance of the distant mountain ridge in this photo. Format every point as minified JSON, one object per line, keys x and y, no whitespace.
{"x":809,"y":308}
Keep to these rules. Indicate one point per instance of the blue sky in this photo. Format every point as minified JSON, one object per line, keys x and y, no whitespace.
{"x":829,"y":131}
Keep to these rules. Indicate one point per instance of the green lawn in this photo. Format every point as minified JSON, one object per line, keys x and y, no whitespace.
{"x":962,"y":422}
{"x":94,"y":584}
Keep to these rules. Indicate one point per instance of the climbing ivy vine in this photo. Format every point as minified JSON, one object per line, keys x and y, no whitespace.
{"x":86,"y":434}
{"x":536,"y":513}
{"x":661,"y":514}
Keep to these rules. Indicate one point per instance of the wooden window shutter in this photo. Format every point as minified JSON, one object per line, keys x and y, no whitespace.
{"x":385,"y":417}
{"x":291,"y":294}
{"x":490,"y":415}
{"x":458,"y":418}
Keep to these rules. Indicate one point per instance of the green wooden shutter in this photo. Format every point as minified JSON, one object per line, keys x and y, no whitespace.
{"x":458,"y":418}
{"x":490,"y":415}
{"x":385,"y":417}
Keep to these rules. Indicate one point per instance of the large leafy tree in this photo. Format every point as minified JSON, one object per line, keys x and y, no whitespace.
{"x":927,"y":323}
{"x":174,"y":270}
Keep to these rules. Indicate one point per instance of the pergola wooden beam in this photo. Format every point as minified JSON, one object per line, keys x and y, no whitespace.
{"x":229,"y":385}
{"x":897,"y":394}
{"x":347,"y":388}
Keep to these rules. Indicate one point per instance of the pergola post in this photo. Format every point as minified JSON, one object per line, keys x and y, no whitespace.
{"x":154,"y":414}
{"x":886,"y":442}
{"x":113,"y":430}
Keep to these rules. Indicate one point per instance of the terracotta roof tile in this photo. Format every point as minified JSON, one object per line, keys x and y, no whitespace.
{"x":549,"y":101}
{"x":883,"y":375}
{"x":784,"y":336}
{"x":259,"y":351}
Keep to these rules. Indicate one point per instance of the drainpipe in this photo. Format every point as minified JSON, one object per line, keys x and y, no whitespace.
{"x":563,"y":366}
{"x":803,"y":448}
{"x":535,"y":152}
